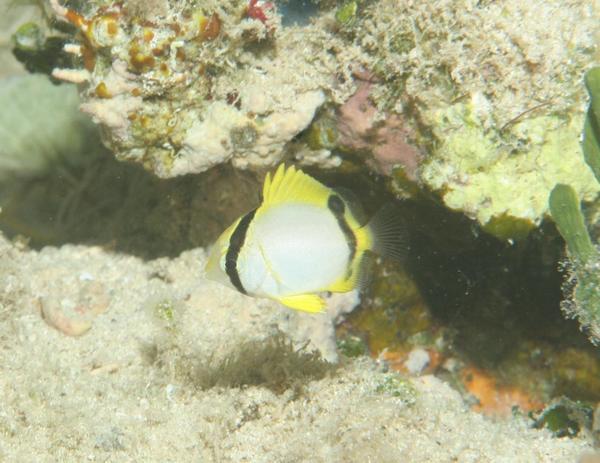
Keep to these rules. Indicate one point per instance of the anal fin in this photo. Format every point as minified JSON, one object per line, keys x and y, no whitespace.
{"x":343,"y":285}
{"x":305,"y":302}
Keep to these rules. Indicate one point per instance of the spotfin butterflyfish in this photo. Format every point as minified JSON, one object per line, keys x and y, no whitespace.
{"x":302,"y":240}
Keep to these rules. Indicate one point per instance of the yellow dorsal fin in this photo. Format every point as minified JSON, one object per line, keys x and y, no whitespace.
{"x":304,"y":302}
{"x":292,"y":185}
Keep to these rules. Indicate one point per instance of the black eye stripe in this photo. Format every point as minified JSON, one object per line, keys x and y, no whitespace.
{"x":337,"y":208}
{"x":235,"y":245}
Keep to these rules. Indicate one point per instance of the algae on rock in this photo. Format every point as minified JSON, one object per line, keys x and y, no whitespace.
{"x":583,"y":281}
{"x":172,"y":88}
{"x":494,"y":90}
{"x":491,"y":90}
{"x":582,"y":287}
{"x":506,"y":190}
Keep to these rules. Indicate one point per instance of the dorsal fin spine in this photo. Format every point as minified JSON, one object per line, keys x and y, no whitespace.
{"x":292,"y":185}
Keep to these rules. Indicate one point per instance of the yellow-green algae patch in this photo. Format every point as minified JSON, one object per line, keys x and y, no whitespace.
{"x":393,"y":312}
{"x":477,"y":169}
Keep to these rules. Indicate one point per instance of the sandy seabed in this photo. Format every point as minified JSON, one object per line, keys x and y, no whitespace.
{"x":173,"y":368}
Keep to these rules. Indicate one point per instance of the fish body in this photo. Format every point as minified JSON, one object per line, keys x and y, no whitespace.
{"x":302,"y":240}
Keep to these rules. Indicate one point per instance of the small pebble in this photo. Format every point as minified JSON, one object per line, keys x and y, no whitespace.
{"x":418,"y":359}
{"x":73,"y":314}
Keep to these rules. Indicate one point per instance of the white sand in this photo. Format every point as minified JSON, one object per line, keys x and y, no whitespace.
{"x":136,"y":386}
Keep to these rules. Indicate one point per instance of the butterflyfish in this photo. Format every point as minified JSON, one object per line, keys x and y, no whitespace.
{"x":302,"y":240}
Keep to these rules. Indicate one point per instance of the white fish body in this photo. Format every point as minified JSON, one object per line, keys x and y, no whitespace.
{"x":293,"y":248}
{"x":302,"y":240}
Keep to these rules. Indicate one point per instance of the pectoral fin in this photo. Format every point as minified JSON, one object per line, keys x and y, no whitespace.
{"x":305,"y":302}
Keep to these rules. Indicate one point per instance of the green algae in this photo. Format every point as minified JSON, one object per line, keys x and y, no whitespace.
{"x":591,"y":131}
{"x":565,"y":210}
{"x":582,"y":286}
{"x":346,"y":14}
{"x":244,"y":137}
{"x":29,"y":37}
{"x":352,"y":346}
{"x":39,"y":51}
{"x":565,"y":418}
{"x":322,"y":133}
{"x":165,"y":311}
{"x":396,"y":386}
{"x":476,"y":169}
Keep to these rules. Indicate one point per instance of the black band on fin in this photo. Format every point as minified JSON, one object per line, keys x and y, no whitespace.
{"x":353,"y":204}
{"x":235,"y":245}
{"x":337,"y":207}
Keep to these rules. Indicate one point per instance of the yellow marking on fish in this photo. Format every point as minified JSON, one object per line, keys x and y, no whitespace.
{"x":303,"y":239}
{"x":293,"y":186}
{"x":304,"y":302}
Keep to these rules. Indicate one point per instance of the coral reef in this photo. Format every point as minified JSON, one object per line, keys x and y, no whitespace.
{"x":494,"y":101}
{"x":507,"y":192}
{"x":185,"y":87}
{"x":474,"y":101}
{"x":494,"y":90}
{"x":388,"y":142}
{"x":483,"y":314}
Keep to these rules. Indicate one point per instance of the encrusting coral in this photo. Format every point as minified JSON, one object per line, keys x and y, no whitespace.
{"x":494,"y":90}
{"x":490,"y":91}
{"x":183,"y":87}
{"x":387,"y":141}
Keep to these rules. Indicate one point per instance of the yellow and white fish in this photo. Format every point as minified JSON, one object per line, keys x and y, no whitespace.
{"x":302,"y":240}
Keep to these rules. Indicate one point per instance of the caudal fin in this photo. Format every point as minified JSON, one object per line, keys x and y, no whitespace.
{"x":389,"y":233}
